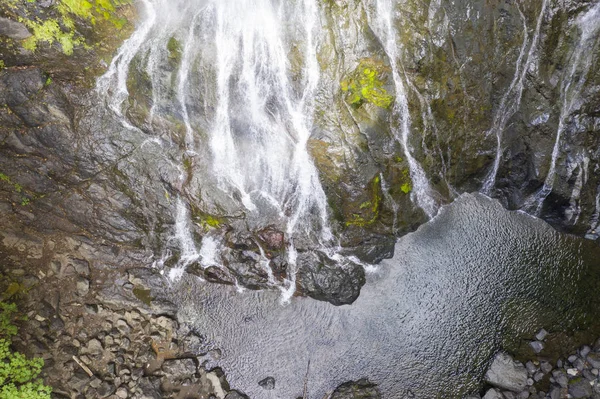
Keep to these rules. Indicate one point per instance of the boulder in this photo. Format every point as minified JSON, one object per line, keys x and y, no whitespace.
{"x":13,"y":29}
{"x":507,"y":374}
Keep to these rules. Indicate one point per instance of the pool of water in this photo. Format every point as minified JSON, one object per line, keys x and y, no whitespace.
{"x":471,"y":281}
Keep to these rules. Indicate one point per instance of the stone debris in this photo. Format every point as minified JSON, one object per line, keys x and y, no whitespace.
{"x":575,"y":377}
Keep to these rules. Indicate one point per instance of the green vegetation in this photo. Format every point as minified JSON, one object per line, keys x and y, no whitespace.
{"x":62,"y":29}
{"x":175,"y":50}
{"x":143,"y":295}
{"x":372,"y":206}
{"x":205,"y":220}
{"x":2,"y":66}
{"x":17,"y":188}
{"x":366,"y":85}
{"x":406,"y":188}
{"x":19,"y":376}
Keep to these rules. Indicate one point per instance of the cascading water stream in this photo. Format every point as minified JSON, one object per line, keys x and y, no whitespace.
{"x":113,"y":84}
{"x":511,"y":100}
{"x":382,"y":23}
{"x":571,"y":87}
{"x":247,"y":124}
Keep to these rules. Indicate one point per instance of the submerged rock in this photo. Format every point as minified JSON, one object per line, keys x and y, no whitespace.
{"x":268,"y":383}
{"x":361,"y":389}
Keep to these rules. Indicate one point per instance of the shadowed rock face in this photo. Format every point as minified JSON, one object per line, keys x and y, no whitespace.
{"x":468,"y":69}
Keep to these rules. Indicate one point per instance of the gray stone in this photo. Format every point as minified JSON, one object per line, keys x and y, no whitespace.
{"x":268,"y":383}
{"x":13,"y":29}
{"x":105,"y":389}
{"x":122,"y":393}
{"x":580,"y":388}
{"x":546,"y":367}
{"x":579,"y":364}
{"x":235,"y":395}
{"x":541,"y":335}
{"x":179,"y":368}
{"x":507,"y":374}
{"x":594,"y":360}
{"x":561,"y":378}
{"x":572,"y":359}
{"x":537,"y":346}
{"x":555,"y":393}
{"x":538,"y":376}
{"x":493,"y":394}
{"x":94,"y":347}
{"x":83,"y":286}
{"x":531,"y":368}
{"x":509,"y":395}
{"x":587,"y":374}
{"x":585,"y":351}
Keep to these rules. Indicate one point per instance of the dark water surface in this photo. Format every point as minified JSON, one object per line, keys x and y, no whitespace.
{"x":475,"y":278}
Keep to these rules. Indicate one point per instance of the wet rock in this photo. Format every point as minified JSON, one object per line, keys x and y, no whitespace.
{"x":493,"y":394}
{"x":537,"y":346}
{"x":273,"y":238}
{"x":268,"y":383}
{"x":324,"y":280}
{"x":580,"y":388}
{"x":361,"y":389}
{"x":507,"y":374}
{"x":541,"y":335}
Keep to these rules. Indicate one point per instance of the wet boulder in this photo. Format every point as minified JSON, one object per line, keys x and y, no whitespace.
{"x":505,"y":373}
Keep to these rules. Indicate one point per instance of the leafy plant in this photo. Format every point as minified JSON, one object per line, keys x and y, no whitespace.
{"x":19,"y":376}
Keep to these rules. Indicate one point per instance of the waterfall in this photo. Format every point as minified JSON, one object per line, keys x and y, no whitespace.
{"x":381,"y":20}
{"x":113,"y":84}
{"x":570,"y":89}
{"x":247,"y":125}
{"x":512,"y":98}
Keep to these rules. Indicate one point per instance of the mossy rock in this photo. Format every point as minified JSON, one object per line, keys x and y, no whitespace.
{"x":367,"y":85}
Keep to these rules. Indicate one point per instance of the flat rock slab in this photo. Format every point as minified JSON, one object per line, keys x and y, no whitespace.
{"x":507,"y":374}
{"x":13,"y":29}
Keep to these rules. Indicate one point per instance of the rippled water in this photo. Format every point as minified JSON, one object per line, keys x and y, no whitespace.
{"x":426,"y":323}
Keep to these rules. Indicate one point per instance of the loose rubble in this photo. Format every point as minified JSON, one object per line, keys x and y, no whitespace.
{"x":575,"y":377}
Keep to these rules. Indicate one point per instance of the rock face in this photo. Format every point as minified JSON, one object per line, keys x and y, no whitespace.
{"x":519,"y":98}
{"x":507,"y":374}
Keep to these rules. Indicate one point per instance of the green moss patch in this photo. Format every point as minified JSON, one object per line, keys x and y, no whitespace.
{"x":61,"y":29}
{"x":366,"y":85}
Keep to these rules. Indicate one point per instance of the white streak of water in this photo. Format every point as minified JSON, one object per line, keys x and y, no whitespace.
{"x":512,"y":98}
{"x":570,"y":90}
{"x":382,"y":23}
{"x":113,"y":84}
